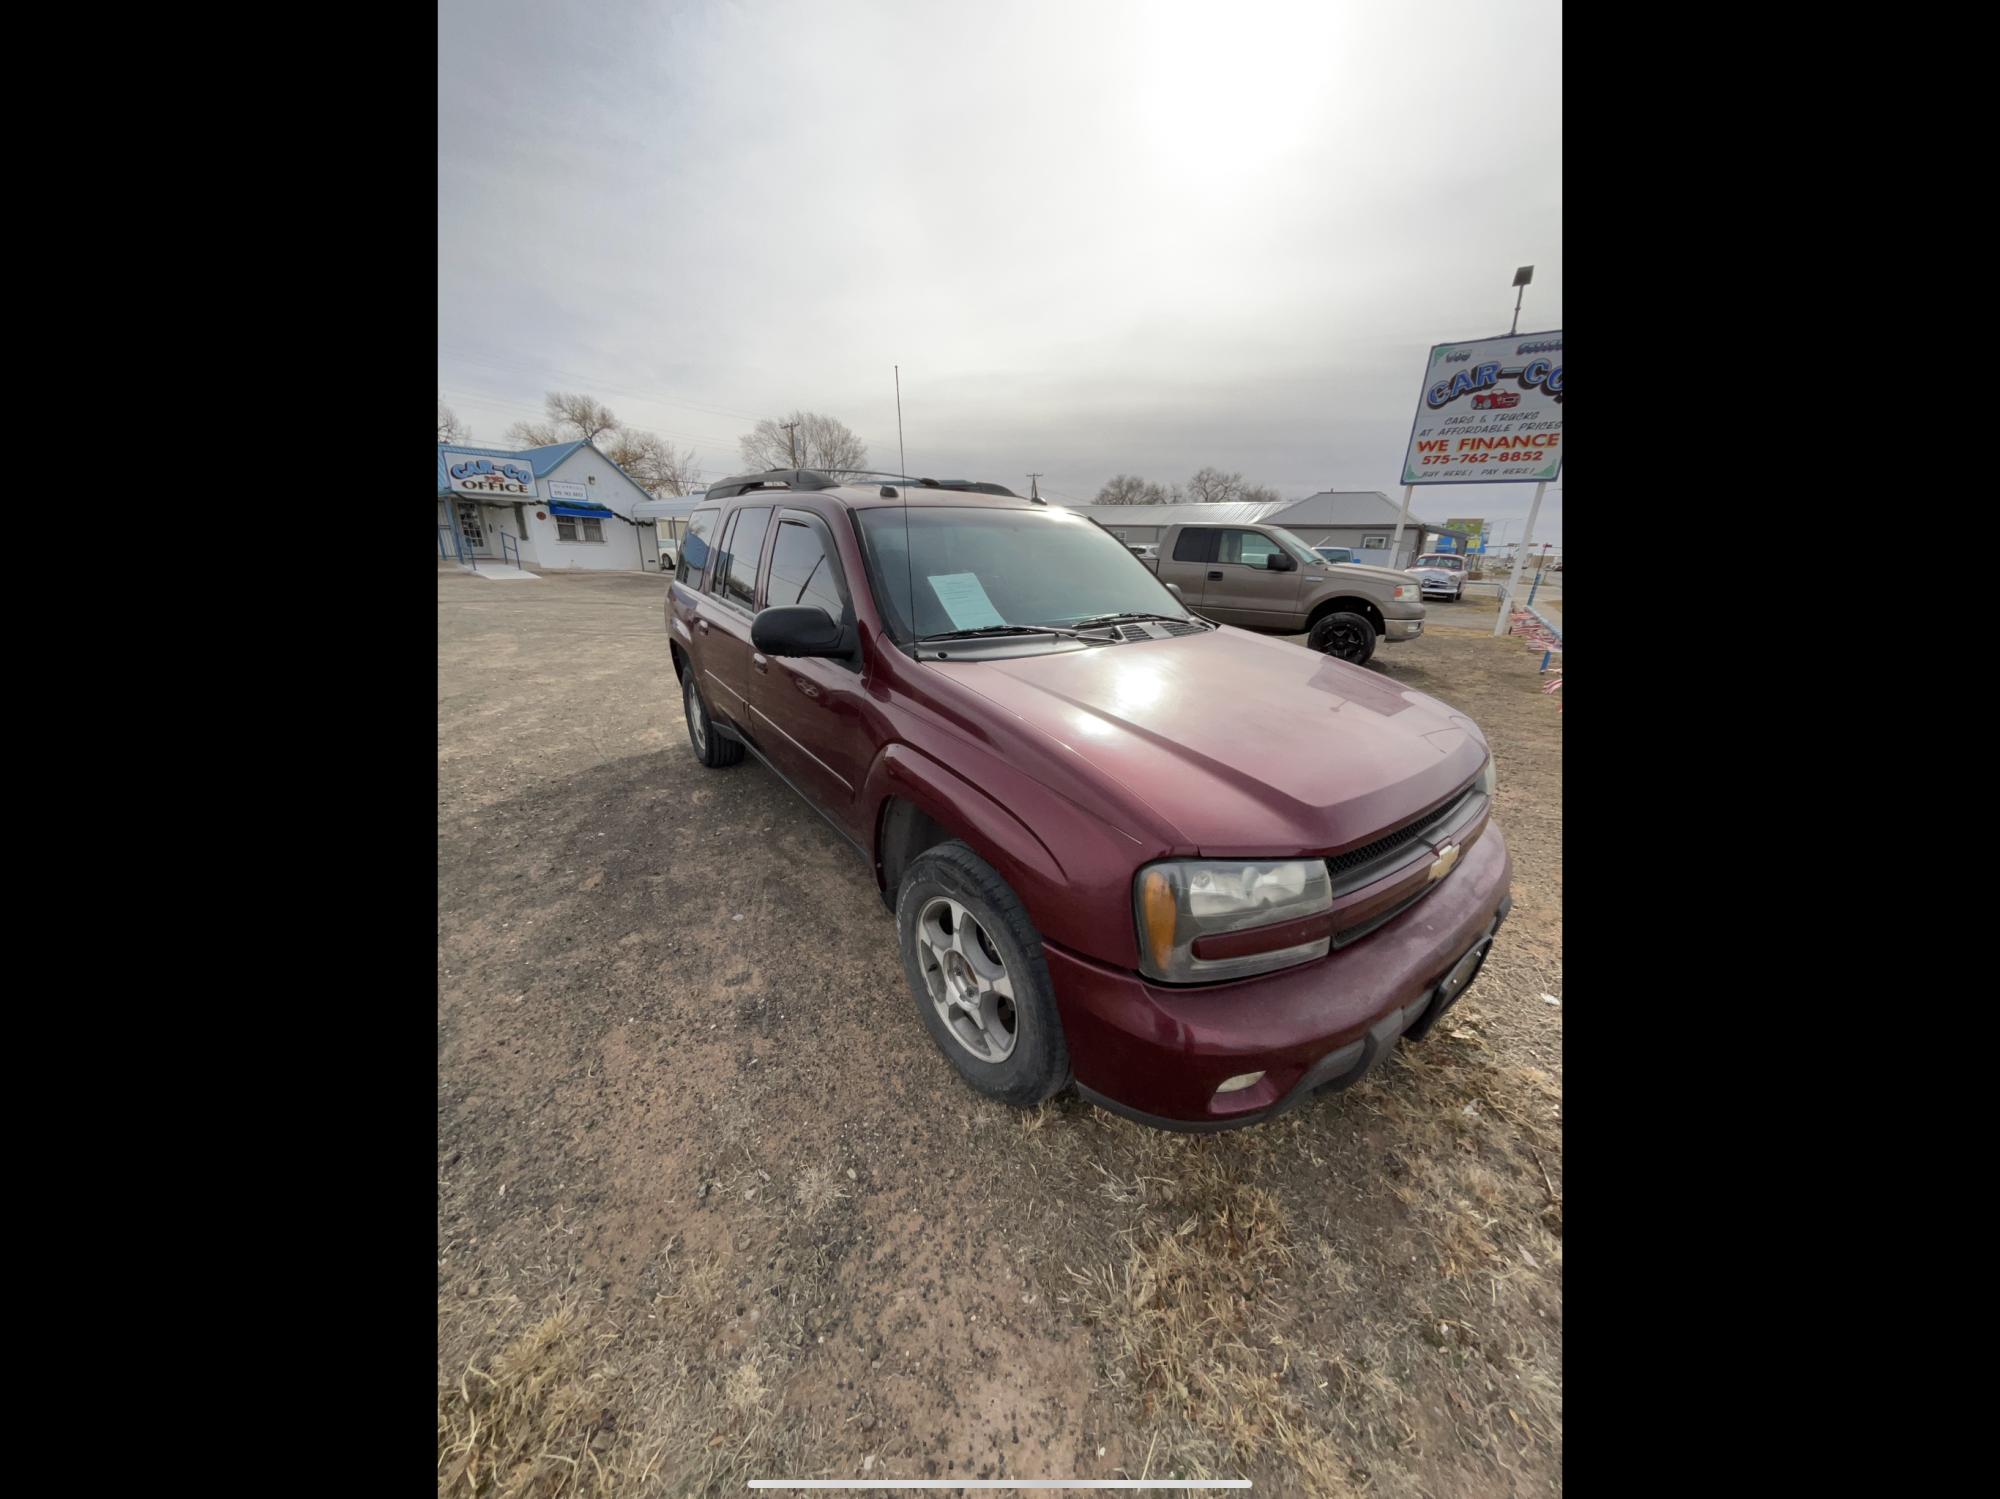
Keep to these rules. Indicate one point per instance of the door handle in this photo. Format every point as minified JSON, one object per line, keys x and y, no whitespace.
{"x":1215,"y":577}
{"x":759,"y":660}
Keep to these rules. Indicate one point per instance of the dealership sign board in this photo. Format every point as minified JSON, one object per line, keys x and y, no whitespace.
{"x":1490,"y":413}
{"x":487,"y":477}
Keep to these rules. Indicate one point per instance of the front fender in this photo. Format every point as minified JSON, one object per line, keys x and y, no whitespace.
{"x":1072,"y":872}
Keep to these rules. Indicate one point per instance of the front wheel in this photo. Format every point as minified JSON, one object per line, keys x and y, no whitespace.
{"x":975,"y":968}
{"x":1348,"y":636}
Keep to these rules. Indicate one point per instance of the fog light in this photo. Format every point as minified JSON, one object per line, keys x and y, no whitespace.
{"x":1241,"y":1081}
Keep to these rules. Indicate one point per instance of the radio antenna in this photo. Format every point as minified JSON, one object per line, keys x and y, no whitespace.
{"x":903,"y":463}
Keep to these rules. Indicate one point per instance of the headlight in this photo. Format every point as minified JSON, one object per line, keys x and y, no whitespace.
{"x":1486,"y":779}
{"x":1182,"y":903}
{"x":1407,"y":590}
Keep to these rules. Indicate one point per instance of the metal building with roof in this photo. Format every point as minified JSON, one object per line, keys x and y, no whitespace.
{"x":1362,"y":520}
{"x":561,"y":508}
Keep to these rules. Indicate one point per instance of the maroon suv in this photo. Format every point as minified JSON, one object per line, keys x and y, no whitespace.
{"x":1201,"y":873}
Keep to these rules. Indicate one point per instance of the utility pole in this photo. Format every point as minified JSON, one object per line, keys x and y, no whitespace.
{"x":792,"y":436}
{"x":1034,"y":486}
{"x":1520,"y":556}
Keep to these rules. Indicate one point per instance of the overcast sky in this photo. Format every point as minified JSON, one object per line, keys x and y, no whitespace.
{"x":1097,"y":237}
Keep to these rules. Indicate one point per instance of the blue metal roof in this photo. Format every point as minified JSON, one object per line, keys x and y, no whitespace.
{"x":541,"y":460}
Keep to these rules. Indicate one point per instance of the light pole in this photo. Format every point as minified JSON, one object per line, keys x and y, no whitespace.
{"x":1521,"y":279}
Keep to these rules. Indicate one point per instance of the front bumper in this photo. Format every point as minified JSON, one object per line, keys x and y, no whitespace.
{"x":1439,"y":590}
{"x":1402,"y":629}
{"x":1157,"y":1054}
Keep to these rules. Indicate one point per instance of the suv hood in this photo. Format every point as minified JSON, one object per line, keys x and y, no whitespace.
{"x":1242,"y":744}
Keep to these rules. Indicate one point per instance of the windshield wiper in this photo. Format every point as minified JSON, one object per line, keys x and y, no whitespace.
{"x":998,"y":630}
{"x":1112,"y":619}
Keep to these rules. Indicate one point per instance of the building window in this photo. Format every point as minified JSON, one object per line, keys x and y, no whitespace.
{"x":567,"y":528}
{"x":1374,"y":543}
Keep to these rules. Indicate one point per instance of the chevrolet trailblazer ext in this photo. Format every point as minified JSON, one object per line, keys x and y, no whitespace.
{"x":1200,"y":873}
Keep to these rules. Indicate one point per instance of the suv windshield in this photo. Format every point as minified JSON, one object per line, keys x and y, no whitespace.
{"x":976,"y":569}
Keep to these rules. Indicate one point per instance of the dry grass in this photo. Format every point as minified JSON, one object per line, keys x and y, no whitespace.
{"x":717,"y":1258}
{"x":535,"y":1422}
{"x":1198,"y":1342}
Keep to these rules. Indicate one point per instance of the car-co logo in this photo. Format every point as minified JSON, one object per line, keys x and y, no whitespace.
{"x":1535,"y":374}
{"x":499,"y":478}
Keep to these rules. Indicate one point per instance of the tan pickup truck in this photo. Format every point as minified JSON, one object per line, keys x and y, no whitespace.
{"x":1264,"y":578}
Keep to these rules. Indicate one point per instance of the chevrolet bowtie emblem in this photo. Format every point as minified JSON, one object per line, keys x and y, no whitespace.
{"x":1441,"y":866}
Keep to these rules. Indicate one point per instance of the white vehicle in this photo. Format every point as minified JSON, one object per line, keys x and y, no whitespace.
{"x":1439,"y":575}
{"x":1145,"y":551}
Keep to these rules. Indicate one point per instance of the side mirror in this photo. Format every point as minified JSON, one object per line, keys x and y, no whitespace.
{"x":1278,"y":562}
{"x":797,"y":630}
{"x":1174,"y":589}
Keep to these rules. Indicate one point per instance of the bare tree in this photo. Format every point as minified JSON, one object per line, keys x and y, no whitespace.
{"x":656,"y":465}
{"x":450,"y":428}
{"x":571,"y":418}
{"x":824,"y":443}
{"x":1211,"y":486}
{"x":1130,"y":489}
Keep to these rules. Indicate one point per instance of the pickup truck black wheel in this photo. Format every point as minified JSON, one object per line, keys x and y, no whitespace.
{"x":1348,"y":636}
{"x":974,"y":963}
{"x":709,"y":747}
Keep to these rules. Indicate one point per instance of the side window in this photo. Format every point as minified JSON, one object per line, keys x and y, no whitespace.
{"x":1194,"y":544}
{"x":1247,"y":547}
{"x":693,"y":568}
{"x":746,"y":545}
{"x":718,"y":563}
{"x":801,"y":570}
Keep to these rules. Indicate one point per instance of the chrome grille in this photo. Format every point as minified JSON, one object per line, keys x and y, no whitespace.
{"x":1342,"y":867}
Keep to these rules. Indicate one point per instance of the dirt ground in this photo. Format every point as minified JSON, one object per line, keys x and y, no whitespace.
{"x":711,"y":1205}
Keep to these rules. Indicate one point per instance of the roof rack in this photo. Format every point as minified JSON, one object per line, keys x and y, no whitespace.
{"x":774,"y":478}
{"x":806,"y":478}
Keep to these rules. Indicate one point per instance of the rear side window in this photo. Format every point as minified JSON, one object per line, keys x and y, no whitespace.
{"x":1194,"y":546}
{"x":718,"y":563}
{"x":801,"y":570}
{"x":693,"y":569}
{"x":746,"y":545}
{"x":1247,"y":547}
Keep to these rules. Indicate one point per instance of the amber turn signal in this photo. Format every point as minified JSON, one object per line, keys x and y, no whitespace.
{"x":1157,"y":902}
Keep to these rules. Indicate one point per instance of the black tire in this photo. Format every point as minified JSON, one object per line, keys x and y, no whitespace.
{"x":709,"y":747}
{"x":1038,"y":1066}
{"x":1348,"y":636}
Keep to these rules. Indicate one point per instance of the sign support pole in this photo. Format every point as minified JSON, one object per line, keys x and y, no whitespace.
{"x":1396,"y":546}
{"x":1520,"y":556}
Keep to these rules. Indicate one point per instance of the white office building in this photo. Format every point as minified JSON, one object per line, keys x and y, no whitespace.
{"x":555,"y":509}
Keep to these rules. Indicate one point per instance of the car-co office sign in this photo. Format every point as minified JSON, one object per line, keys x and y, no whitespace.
{"x":499,"y":478}
{"x":1491,"y":412}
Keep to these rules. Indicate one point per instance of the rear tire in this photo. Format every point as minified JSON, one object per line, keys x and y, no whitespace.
{"x":1350,"y":637}
{"x":975,"y":969}
{"x":710,"y":748}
